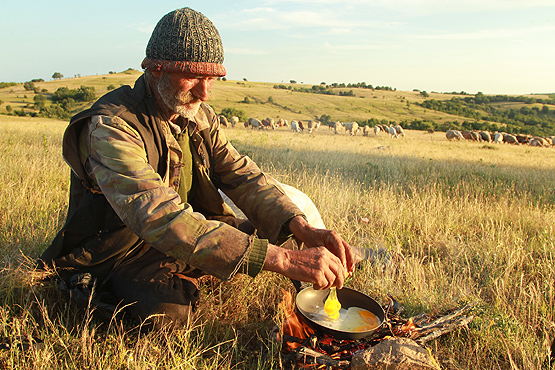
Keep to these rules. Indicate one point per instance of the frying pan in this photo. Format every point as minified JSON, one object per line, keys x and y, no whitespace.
{"x":309,"y":301}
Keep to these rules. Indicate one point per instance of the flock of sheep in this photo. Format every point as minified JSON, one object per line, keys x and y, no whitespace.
{"x":352,"y":128}
{"x":501,"y":137}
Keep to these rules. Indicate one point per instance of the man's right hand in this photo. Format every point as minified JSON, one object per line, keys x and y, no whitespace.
{"x":313,"y":265}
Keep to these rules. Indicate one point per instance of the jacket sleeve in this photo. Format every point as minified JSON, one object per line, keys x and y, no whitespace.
{"x":115,"y":159}
{"x":256,"y":193}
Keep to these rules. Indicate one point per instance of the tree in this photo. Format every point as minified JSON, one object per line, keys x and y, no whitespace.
{"x":29,"y":85}
{"x":57,"y":76}
{"x":244,"y":79}
{"x":40,"y":101}
{"x":8,"y":108}
{"x":292,"y":81}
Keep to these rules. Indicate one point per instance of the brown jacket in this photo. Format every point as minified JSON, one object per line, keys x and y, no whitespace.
{"x":123,"y":198}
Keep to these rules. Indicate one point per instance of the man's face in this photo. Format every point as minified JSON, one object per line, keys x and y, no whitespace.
{"x":183,"y":92}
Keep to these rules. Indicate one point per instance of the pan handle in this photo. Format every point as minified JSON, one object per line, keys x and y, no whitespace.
{"x":297,"y":285}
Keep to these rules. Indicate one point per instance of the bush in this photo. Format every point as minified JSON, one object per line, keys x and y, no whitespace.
{"x":29,"y":85}
{"x":83,"y":94}
{"x":230,"y":112}
{"x":40,"y":101}
{"x":110,"y":87}
{"x":7,"y":84}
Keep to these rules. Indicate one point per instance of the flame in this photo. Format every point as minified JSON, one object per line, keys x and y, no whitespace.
{"x":292,"y":325}
{"x":407,"y":328}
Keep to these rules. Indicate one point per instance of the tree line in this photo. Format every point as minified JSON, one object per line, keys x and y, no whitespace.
{"x":323,"y":88}
{"x":524,"y":120}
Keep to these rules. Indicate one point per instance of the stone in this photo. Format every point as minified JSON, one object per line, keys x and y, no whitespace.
{"x":394,"y":354}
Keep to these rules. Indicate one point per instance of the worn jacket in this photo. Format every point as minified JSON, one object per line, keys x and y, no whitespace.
{"x":125,"y":166}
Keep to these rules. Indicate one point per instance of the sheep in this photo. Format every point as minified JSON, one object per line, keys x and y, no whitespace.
{"x":454,"y":134}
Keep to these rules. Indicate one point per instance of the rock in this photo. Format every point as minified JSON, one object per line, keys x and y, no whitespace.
{"x":394,"y":354}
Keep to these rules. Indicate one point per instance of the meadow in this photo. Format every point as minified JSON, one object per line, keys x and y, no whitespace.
{"x":474,"y":221}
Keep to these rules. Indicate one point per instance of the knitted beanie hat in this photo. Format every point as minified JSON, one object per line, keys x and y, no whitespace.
{"x":185,"y":41}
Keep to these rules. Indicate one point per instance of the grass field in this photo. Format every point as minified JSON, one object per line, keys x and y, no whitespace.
{"x":474,"y":221}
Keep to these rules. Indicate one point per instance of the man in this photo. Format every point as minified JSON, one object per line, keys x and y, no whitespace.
{"x":145,"y":218}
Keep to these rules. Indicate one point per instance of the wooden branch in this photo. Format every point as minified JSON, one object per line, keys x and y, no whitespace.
{"x":450,"y":316}
{"x":462,"y":321}
{"x":320,"y":358}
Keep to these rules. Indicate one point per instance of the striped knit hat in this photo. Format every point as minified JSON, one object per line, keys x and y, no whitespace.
{"x":185,"y":41}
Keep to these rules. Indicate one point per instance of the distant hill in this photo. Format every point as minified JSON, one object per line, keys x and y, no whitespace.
{"x":261,"y":100}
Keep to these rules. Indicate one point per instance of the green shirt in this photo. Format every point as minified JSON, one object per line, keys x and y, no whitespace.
{"x":186,"y":176}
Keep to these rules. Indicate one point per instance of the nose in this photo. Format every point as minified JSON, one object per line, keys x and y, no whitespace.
{"x":201,"y":90}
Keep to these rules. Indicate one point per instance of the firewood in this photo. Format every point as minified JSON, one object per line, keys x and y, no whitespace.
{"x":462,"y":321}
{"x":306,"y":355}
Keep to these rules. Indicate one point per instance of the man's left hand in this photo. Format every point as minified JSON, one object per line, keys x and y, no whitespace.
{"x":330,"y":239}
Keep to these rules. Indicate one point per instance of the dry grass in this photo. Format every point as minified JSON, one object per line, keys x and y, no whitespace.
{"x":475,"y":223}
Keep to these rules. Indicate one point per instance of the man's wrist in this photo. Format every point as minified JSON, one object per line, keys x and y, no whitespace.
{"x":297,"y":224}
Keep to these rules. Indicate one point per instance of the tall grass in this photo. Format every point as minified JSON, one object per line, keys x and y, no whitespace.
{"x":474,"y":221}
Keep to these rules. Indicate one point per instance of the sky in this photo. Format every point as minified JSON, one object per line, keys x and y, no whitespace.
{"x":489,"y":46}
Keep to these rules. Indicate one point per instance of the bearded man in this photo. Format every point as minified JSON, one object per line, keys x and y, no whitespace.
{"x":145,"y":218}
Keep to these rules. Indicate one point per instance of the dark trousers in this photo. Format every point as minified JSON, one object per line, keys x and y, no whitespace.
{"x":158,"y":289}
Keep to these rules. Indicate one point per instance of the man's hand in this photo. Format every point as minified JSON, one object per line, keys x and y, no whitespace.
{"x":329,"y":239}
{"x":314,"y":265}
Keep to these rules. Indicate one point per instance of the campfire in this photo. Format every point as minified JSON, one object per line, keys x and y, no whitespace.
{"x":302,"y":347}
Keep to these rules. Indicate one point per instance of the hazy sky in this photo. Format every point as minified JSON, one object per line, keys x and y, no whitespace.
{"x":493,"y":46}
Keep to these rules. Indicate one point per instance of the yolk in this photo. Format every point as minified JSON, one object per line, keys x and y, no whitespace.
{"x":369,"y":318}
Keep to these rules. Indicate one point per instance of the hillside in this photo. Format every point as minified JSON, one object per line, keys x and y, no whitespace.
{"x":268,"y":101}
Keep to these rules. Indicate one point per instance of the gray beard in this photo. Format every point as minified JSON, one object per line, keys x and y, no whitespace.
{"x":182,"y":103}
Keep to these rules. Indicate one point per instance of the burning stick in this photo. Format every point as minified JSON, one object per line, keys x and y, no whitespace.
{"x":306,"y":355}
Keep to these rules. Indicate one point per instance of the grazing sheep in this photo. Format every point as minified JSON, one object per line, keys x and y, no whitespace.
{"x":485,"y":136}
{"x":295,"y":126}
{"x":541,"y":141}
{"x":392,"y":132}
{"x":309,"y":126}
{"x":467,"y":135}
{"x":510,"y":139}
{"x":254,"y":123}
{"x":498,"y":138}
{"x":269,"y":123}
{"x":223,"y":121}
{"x":474,"y":136}
{"x":234,"y":121}
{"x":454,"y":134}
{"x":377,"y":129}
{"x":365,"y":130}
{"x":523,"y":139}
{"x":536,"y":142}
{"x":399,"y":130}
{"x":351,"y":127}
{"x":338,"y":127}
